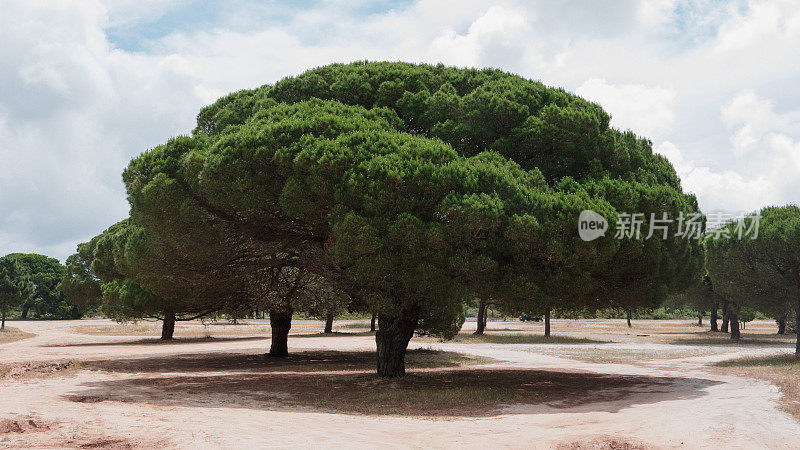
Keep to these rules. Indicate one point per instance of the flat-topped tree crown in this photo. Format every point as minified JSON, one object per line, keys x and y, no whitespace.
{"x":473,"y":110}
{"x":393,"y":182}
{"x":539,"y":127}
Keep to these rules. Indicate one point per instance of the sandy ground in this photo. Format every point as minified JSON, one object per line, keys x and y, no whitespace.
{"x":682,"y":403}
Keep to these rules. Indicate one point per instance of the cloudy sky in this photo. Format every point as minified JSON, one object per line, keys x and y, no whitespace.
{"x":85,"y":85}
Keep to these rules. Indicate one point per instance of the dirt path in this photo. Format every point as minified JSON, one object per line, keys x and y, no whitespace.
{"x":696,"y":408}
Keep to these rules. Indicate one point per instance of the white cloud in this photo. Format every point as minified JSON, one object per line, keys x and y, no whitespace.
{"x":728,"y":190}
{"x":492,"y":39}
{"x":123,"y":12}
{"x":761,"y":144}
{"x":768,"y":141}
{"x":647,"y":110}
{"x":75,"y":111}
{"x":655,"y":13}
{"x":753,"y":116}
{"x":763,"y":22}
{"x":755,"y":123}
{"x":725,"y":190}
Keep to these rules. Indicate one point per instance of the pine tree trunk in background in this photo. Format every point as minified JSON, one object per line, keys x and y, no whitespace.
{"x":281,"y":323}
{"x":629,"y":318}
{"x":3,"y":325}
{"x":168,"y":327}
{"x":372,"y":322}
{"x":481,"y":318}
{"x":734,"y":322}
{"x":725,"y":318}
{"x":392,"y":341}
{"x":713,"y":318}
{"x":24,"y":314}
{"x":797,"y":329}
{"x":329,"y":324}
{"x":781,"y":326}
{"x":700,"y":320}
{"x":547,"y":323}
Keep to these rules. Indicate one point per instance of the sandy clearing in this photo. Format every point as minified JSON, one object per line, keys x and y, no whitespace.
{"x":697,"y":408}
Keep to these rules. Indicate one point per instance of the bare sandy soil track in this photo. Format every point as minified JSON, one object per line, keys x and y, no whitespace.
{"x":133,"y":391}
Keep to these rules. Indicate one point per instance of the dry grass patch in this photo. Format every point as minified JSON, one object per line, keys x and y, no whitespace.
{"x":650,"y":331}
{"x":612,"y":355}
{"x":183,"y":331}
{"x":24,"y":371}
{"x":357,"y":325}
{"x":711,"y":338}
{"x":782,"y":371}
{"x":604,"y":443}
{"x":11,"y":334}
{"x":469,"y":393}
{"x":513,"y":338}
{"x":335,"y":334}
{"x":121,"y":329}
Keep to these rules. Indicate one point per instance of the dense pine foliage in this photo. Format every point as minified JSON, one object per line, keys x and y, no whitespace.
{"x":405,"y":190}
{"x":761,"y":273}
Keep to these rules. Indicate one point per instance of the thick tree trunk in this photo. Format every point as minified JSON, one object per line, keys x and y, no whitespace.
{"x":329,"y":324}
{"x":782,"y":326}
{"x":700,"y":320}
{"x":392,"y":340}
{"x":713,"y":318}
{"x":372,"y":322}
{"x":734,"y":322}
{"x":3,"y":324}
{"x":629,"y":318}
{"x":168,"y":327}
{"x":281,"y":323}
{"x":481,"y":319}
{"x":24,"y":314}
{"x":547,"y":323}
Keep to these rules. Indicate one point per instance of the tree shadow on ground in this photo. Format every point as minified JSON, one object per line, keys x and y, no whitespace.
{"x":237,"y":362}
{"x":344,"y":382}
{"x":194,"y":340}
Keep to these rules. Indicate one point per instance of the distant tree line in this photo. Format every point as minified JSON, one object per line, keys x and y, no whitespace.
{"x":29,"y":288}
{"x":761,"y":274}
